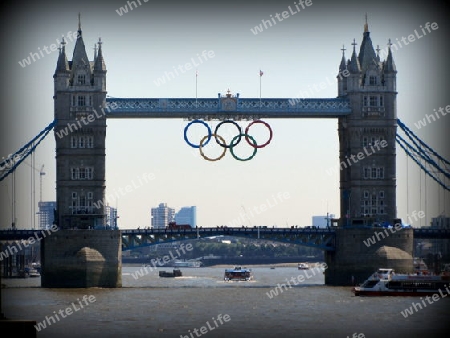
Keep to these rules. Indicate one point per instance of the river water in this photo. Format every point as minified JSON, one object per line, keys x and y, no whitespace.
{"x":200,"y":304}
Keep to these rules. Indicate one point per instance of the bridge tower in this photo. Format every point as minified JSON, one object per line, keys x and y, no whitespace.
{"x":78,"y":256}
{"x":80,"y":96}
{"x":367,"y":156}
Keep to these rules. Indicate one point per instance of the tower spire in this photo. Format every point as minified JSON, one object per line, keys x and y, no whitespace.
{"x":79,"y":25}
{"x":343,"y":65}
{"x":366,"y":25}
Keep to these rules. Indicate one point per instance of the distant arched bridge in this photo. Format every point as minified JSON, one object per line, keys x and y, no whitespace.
{"x":323,"y":239}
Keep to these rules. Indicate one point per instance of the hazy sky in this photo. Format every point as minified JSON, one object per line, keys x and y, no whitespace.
{"x":296,"y":54}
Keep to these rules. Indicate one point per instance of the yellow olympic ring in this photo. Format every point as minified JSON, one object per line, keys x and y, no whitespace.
{"x":201,"y":146}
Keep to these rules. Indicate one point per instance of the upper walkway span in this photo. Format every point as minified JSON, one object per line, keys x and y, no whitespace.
{"x":226,"y":107}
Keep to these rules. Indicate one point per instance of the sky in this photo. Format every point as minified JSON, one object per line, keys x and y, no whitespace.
{"x":287,"y":182}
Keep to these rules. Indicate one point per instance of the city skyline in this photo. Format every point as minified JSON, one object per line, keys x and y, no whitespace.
{"x":293,"y":65}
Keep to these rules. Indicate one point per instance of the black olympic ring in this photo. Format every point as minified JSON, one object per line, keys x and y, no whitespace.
{"x":224,"y":145}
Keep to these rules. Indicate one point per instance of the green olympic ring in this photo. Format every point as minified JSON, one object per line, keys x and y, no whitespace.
{"x":255,"y":147}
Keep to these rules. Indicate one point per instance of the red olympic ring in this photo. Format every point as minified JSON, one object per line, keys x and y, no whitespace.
{"x":264,"y":144}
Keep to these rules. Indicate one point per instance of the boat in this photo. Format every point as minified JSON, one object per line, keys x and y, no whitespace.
{"x":238,"y":274}
{"x":32,"y":271}
{"x":187,"y":264}
{"x":385,"y":282}
{"x":303,"y":266}
{"x":174,"y":273}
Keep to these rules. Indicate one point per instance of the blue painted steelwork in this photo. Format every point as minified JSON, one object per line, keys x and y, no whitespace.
{"x":226,"y":107}
{"x":318,"y":238}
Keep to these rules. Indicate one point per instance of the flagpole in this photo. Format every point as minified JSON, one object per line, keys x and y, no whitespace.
{"x":196,"y":77}
{"x":260,"y":76}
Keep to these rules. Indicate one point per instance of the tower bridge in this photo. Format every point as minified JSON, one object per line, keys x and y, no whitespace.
{"x":366,"y":113}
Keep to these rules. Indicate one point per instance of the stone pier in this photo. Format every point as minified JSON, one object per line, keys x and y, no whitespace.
{"x":353,"y":257}
{"x":82,"y":259}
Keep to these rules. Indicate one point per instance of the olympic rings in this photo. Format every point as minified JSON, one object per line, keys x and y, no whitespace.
{"x":212,"y":159}
{"x":189,"y":124}
{"x":234,"y":142}
{"x":268,"y":127}
{"x":224,"y":145}
{"x":255,"y":147}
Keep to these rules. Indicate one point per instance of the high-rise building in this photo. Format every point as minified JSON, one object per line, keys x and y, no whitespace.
{"x":111,"y":217}
{"x":162,"y":215}
{"x":46,"y":214}
{"x":187,"y":215}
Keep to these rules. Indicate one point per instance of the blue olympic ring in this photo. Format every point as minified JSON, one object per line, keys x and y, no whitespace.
{"x":197,"y":121}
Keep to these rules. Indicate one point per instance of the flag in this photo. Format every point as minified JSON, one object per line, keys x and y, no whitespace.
{"x":261,"y":73}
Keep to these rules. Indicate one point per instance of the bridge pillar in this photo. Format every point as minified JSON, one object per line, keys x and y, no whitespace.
{"x":81,"y":259}
{"x":361,"y":251}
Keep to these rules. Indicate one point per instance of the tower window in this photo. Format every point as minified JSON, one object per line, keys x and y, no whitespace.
{"x":366,"y":173}
{"x":82,"y":174}
{"x":73,"y":142}
{"x":381,"y":194}
{"x":81,"y":79}
{"x":74,"y":173}
{"x":89,"y":141}
{"x":366,"y":194}
{"x":81,"y":100}
{"x":365,"y":142}
{"x":373,"y":80}
{"x":374,"y":172}
{"x":373,"y":101}
{"x":81,"y":142}
{"x":89,"y":173}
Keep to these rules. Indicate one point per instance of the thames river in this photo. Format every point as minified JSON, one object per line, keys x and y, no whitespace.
{"x":201,"y":303}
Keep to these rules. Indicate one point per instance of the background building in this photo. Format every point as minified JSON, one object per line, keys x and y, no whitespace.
{"x":46,"y":214}
{"x":187,"y":215}
{"x":111,"y":217}
{"x":322,"y":221}
{"x":162,"y":215}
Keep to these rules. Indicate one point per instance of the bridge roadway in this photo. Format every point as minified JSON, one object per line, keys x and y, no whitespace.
{"x":319,"y":238}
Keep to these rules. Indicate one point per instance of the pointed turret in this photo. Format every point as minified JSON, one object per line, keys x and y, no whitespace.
{"x":80,"y":59}
{"x":354,"y":65}
{"x":343,"y":65}
{"x":99,"y":64}
{"x":367,"y":54}
{"x":342,"y":75}
{"x":390,"y":70}
{"x":63,"y":64}
{"x":389,"y":65}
